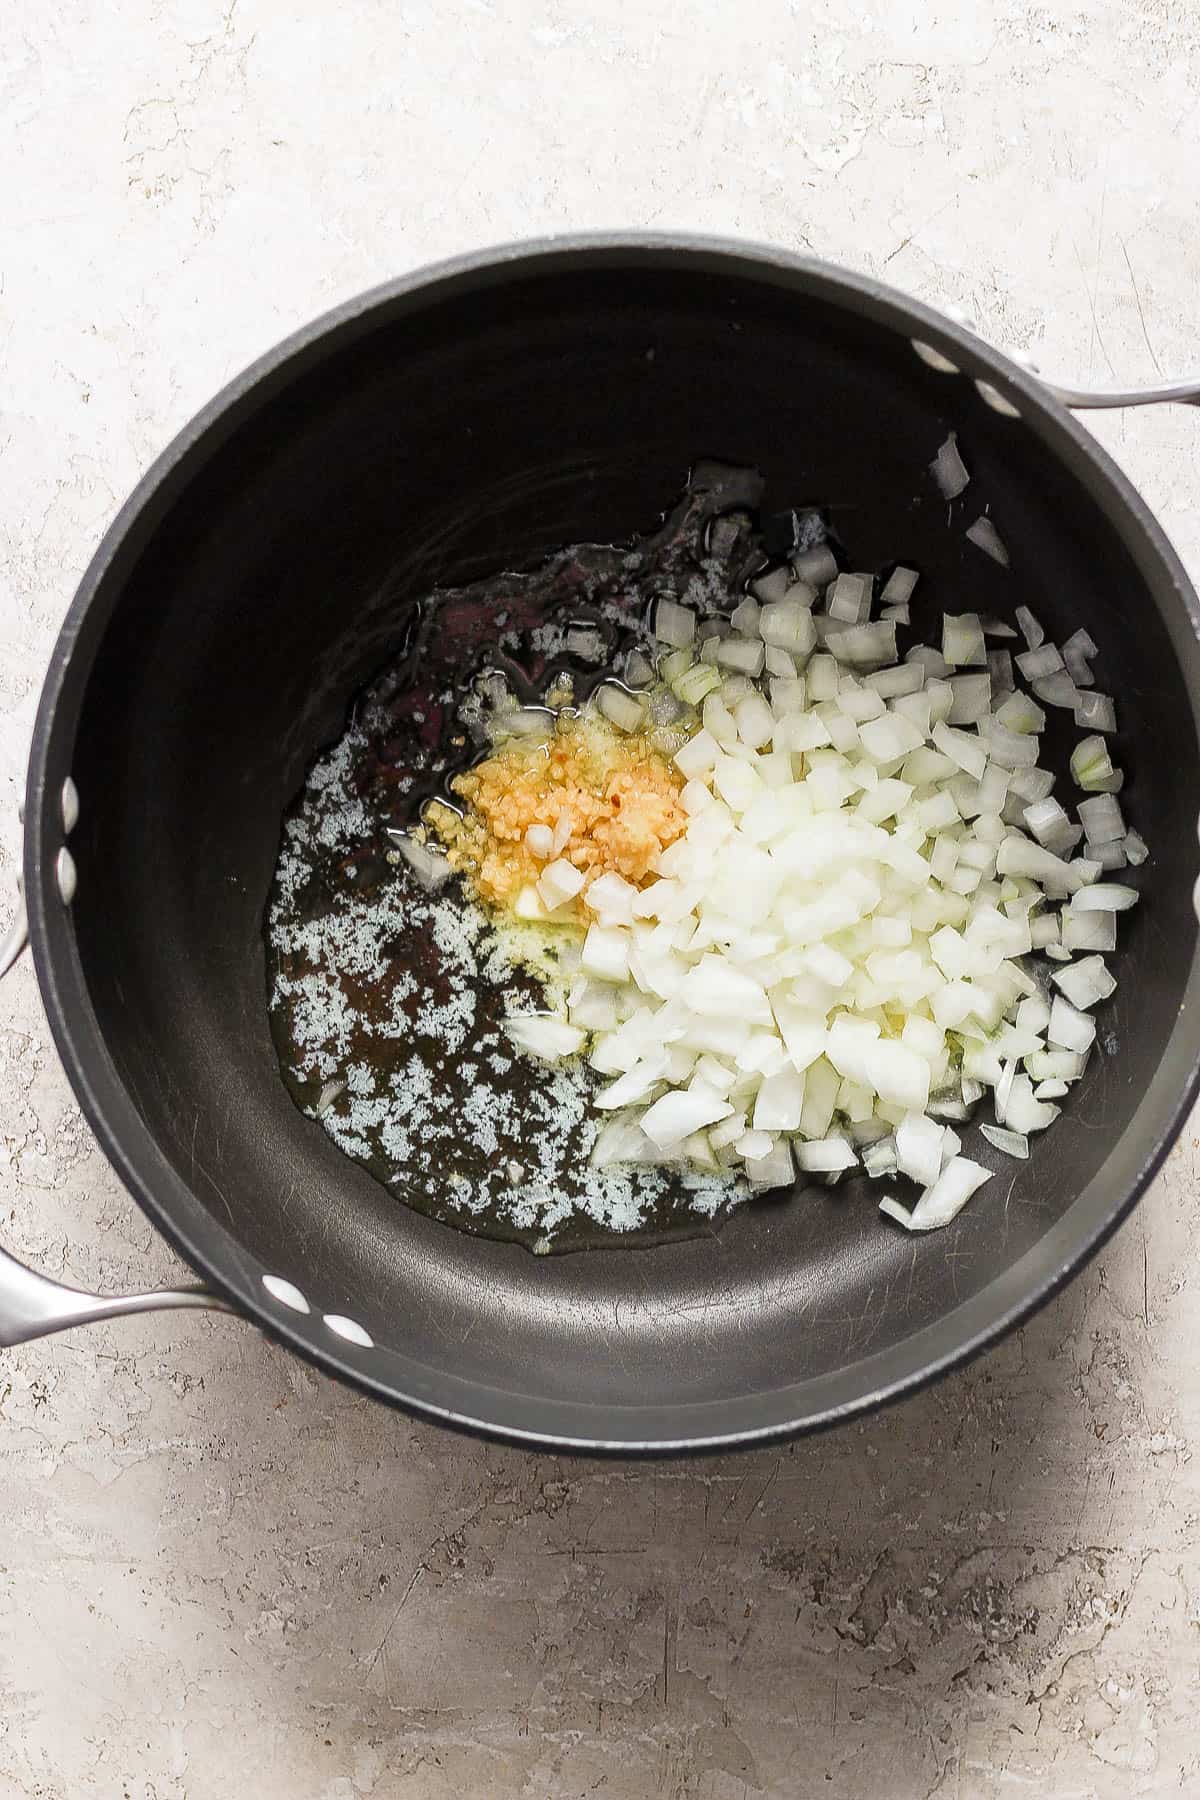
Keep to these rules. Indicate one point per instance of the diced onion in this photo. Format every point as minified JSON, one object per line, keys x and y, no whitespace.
{"x":1091,"y":764}
{"x":985,"y":536}
{"x":949,"y":470}
{"x":1035,"y":664}
{"x":1101,"y":819}
{"x":962,"y":640}
{"x":1031,"y":630}
{"x":1095,"y":712}
{"x":1012,"y":1143}
{"x":674,"y":624}
{"x":848,"y":598}
{"x":430,"y":867}
{"x":899,"y":586}
{"x":621,"y":708}
{"x":825,"y":1155}
{"x":835,"y":960}
{"x":945,"y":1199}
{"x":541,"y":1036}
{"x":1085,"y":982}
{"x":1104,"y":896}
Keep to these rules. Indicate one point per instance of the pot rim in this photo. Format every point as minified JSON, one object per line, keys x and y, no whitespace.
{"x":582,"y":1426}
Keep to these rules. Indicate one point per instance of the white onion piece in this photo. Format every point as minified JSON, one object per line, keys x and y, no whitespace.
{"x":605,"y":954}
{"x":1035,"y":664}
{"x":984,"y":535}
{"x":1083,"y":642}
{"x":1031,"y":784}
{"x":949,"y":470}
{"x":945,"y":1199}
{"x":429,"y":866}
{"x":1136,"y":852}
{"x":693,"y":684}
{"x":1012,"y":1143}
{"x":741,"y":653}
{"x":868,"y":645}
{"x":821,"y":1156}
{"x":1091,"y":765}
{"x":1095,"y":712}
{"x":879,"y":1158}
{"x":1085,"y":982}
{"x":1055,"y":1065}
{"x":524,"y":722}
{"x":621,"y":708}
{"x":1050,"y":825}
{"x":849,"y":599}
{"x":1031,"y":630}
{"x":677,"y":1114}
{"x":558,"y":882}
{"x":1057,"y":689}
{"x":745,"y":616}
{"x":932,"y":661}
{"x":774,"y":584}
{"x":1102,"y":819}
{"x":972,"y":699}
{"x":539,"y":1035}
{"x":775,"y":1169}
{"x":326,"y":1097}
{"x":1023,"y":1112}
{"x":785,"y":625}
{"x":1069,"y":1028}
{"x":1104,"y":896}
{"x":1077,"y":666}
{"x":674,"y":624}
{"x":918,"y":1148}
{"x":1000,"y":668}
{"x":962,"y":640}
{"x":899,"y":586}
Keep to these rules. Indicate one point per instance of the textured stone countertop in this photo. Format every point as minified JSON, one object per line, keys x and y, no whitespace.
{"x":220,"y":1574}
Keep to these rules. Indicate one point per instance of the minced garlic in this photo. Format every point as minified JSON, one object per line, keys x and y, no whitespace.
{"x":610,"y":799}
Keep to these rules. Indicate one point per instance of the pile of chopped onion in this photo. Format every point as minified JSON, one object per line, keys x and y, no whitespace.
{"x":831,"y":966}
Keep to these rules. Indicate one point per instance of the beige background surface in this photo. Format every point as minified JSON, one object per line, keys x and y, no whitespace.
{"x":220,"y":1574}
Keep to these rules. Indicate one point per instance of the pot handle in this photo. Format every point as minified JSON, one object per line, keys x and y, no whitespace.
{"x":15,"y":938}
{"x":32,"y":1305}
{"x":1186,"y":393}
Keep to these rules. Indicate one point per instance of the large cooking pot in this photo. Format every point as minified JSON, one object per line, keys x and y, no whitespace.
{"x":451,"y":422}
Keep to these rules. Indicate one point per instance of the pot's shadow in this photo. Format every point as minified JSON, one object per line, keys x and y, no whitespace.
{"x":857,"y":1614}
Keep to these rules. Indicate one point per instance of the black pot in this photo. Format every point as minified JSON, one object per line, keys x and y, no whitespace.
{"x":444,"y":425}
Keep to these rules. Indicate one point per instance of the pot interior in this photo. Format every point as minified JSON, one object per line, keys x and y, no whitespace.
{"x":433,"y":438}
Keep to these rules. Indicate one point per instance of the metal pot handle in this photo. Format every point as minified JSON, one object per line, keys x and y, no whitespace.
{"x":16,"y":937}
{"x":1185,"y":392}
{"x":33,"y":1306}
